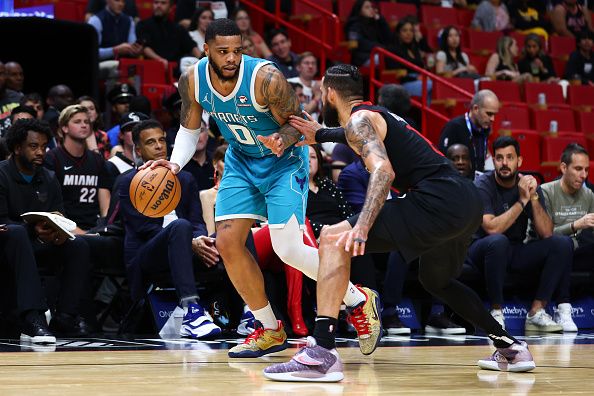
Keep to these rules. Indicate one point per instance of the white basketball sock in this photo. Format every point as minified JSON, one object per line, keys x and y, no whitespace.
{"x":266,"y":317}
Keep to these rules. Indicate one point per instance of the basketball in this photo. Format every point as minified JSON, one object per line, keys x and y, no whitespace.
{"x":155,"y":192}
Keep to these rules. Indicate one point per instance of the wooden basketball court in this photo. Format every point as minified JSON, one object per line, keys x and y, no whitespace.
{"x":421,"y":365}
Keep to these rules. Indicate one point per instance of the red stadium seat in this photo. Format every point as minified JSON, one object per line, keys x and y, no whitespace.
{"x":591,"y":173}
{"x":549,"y":170}
{"x":559,"y":65}
{"x":529,"y":148}
{"x":506,"y":91}
{"x":590,"y":146}
{"x":561,"y":47}
{"x":70,"y":11}
{"x":156,"y":93}
{"x":517,"y":116}
{"x":585,"y":122}
{"x":541,"y":120}
{"x":150,"y":71}
{"x":344,"y":9}
{"x":580,"y":95}
{"x":553,"y":94}
{"x":464,"y":16}
{"x":393,"y":12}
{"x":432,"y":36}
{"x":441,"y":91}
{"x":479,"y":61}
{"x":433,"y":16}
{"x":483,"y":42}
{"x":553,"y":146}
{"x":301,"y":9}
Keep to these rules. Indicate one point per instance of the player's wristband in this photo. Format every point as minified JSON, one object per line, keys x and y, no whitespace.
{"x":336,"y":135}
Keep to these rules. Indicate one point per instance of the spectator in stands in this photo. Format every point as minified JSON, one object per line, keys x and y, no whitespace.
{"x":94,"y":6}
{"x":570,"y":19}
{"x":406,"y":47}
{"x":420,"y":40}
{"x":450,"y":60}
{"x":242,"y":18}
{"x":15,"y":77}
{"x":527,"y":19}
{"x":510,"y":200}
{"x":173,"y":105}
{"x":285,"y":59}
{"x":164,"y":40}
{"x":396,"y":99}
{"x":81,"y":172}
{"x":248,"y":47}
{"x":369,"y":29}
{"x":36,"y":101}
{"x":535,"y":62}
{"x":580,"y":66}
{"x":501,"y":65}
{"x":98,"y":141}
{"x":25,"y":186}
{"x":200,"y":20}
{"x":119,"y":97}
{"x":9,"y":99}
{"x":571,"y":205}
{"x":473,"y":128}
{"x":200,"y":166}
{"x":307,"y":67}
{"x":123,"y":158}
{"x":57,"y":99}
{"x":491,"y":16}
{"x":156,"y":245}
{"x":21,"y":112}
{"x":117,"y":37}
{"x":460,"y":157}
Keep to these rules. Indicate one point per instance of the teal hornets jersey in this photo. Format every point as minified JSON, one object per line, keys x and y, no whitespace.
{"x":237,"y":115}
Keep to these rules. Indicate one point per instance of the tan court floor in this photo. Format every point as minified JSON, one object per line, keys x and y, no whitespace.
{"x":561,"y":369}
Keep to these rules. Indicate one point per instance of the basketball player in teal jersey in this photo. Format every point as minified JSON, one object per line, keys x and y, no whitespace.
{"x":250,"y":99}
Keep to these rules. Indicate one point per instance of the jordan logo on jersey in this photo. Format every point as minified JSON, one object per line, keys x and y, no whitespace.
{"x":205,"y":99}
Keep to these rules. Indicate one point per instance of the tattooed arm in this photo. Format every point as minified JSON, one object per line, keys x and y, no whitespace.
{"x":365,"y":132}
{"x":276,"y":93}
{"x":189,"y":129}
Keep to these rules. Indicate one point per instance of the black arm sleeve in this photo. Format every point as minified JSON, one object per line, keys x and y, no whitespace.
{"x":336,"y":135}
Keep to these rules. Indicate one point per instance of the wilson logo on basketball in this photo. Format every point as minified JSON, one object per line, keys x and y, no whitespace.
{"x":164,"y":195}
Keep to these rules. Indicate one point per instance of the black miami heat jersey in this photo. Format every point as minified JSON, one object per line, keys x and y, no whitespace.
{"x":412,"y":156}
{"x":80,"y":179}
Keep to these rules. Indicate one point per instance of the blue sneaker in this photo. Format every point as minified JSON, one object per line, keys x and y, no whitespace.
{"x":246,"y":323}
{"x":198,"y":323}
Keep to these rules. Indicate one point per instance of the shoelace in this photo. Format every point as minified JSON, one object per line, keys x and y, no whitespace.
{"x":255,"y":335}
{"x":359,"y":321}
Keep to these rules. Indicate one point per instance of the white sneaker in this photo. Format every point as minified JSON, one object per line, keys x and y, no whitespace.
{"x":563,"y":317}
{"x":542,"y":322}
{"x":497,"y":314}
{"x":198,"y":323}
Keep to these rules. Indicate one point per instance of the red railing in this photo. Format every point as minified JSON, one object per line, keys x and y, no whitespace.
{"x":327,"y":44}
{"x":381,"y":53}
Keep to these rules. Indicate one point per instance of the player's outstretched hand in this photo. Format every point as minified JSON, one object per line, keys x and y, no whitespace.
{"x":308,"y":128}
{"x":274,"y":142}
{"x":172,"y":166}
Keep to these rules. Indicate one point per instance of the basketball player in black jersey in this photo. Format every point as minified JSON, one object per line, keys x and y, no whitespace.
{"x":433,"y":219}
{"x":81,"y":172}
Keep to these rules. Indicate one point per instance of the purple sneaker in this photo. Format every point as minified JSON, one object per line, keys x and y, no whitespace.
{"x":515,"y":358}
{"x":311,"y":364}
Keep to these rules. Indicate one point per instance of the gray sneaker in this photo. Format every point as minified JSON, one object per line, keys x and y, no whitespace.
{"x":515,"y":358}
{"x":542,"y":322}
{"x":312,"y":363}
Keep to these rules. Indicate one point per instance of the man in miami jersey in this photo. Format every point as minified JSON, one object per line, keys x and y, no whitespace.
{"x":250,"y":99}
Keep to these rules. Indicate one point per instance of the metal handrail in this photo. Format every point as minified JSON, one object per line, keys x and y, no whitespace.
{"x":425,"y":109}
{"x":322,"y":41}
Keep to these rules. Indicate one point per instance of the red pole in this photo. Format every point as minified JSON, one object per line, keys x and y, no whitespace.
{"x":424,"y":104}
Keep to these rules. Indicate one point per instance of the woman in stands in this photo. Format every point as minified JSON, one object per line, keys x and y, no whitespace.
{"x":200,"y":21}
{"x":405,"y":46}
{"x":369,"y":29}
{"x":99,"y":141}
{"x":242,"y":18}
{"x":501,"y":65}
{"x":535,"y":62}
{"x":450,"y":60}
